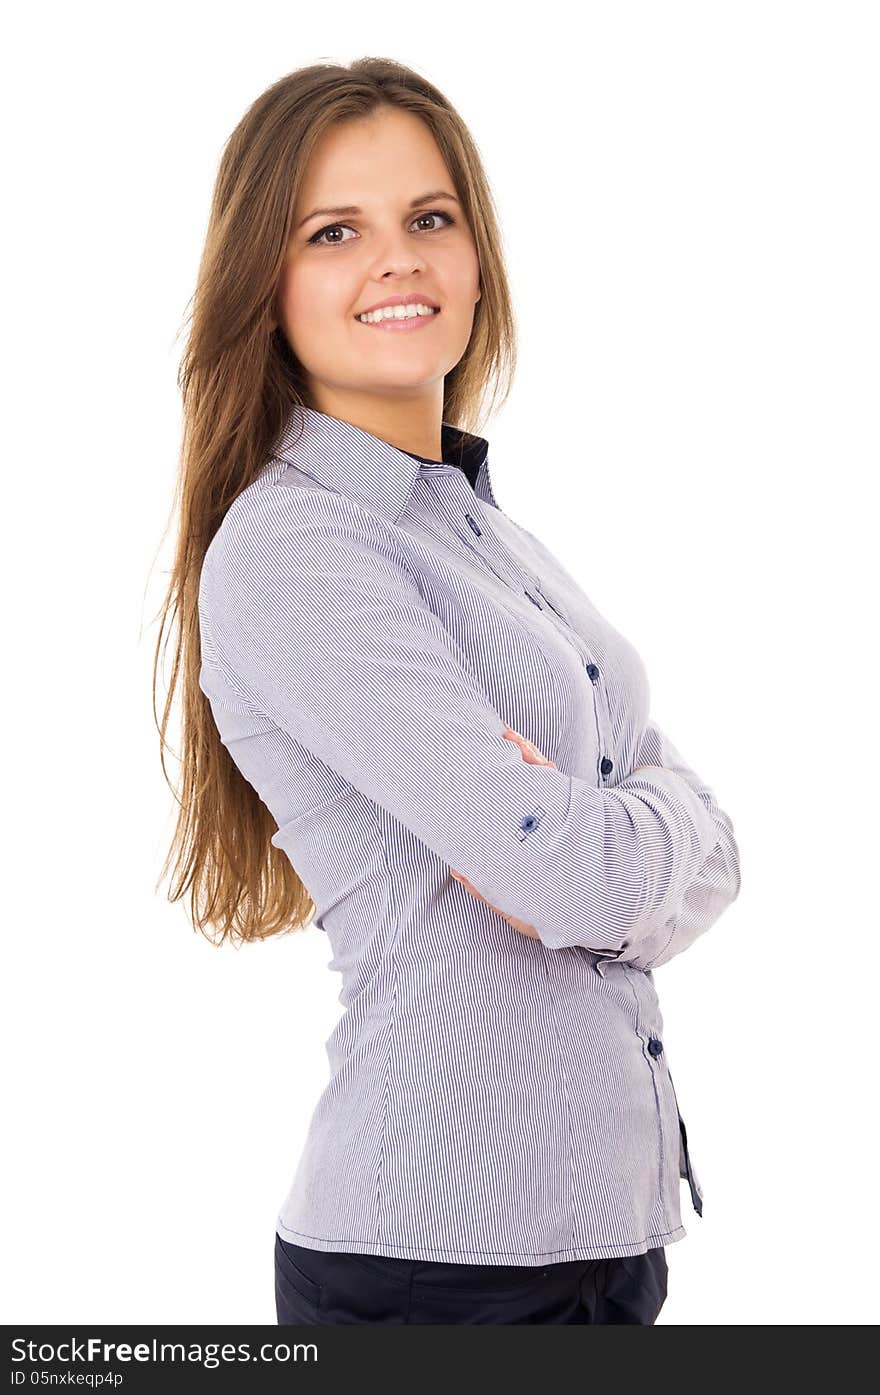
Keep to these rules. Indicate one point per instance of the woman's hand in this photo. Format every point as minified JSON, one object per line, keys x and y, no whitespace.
{"x":534,"y":757}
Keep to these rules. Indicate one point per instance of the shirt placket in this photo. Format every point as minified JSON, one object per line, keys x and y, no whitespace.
{"x":480,"y":539}
{"x":477,"y":536}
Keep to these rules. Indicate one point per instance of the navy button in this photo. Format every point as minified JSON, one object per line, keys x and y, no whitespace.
{"x":655,"y":1046}
{"x":534,"y":600}
{"x":607,"y":766}
{"x":529,"y":822}
{"x":593,"y":671}
{"x":476,"y":528}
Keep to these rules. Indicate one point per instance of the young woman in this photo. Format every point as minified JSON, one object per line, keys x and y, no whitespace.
{"x":406,"y":723}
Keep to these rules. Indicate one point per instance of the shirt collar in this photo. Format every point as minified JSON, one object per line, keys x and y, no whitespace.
{"x":343,"y":457}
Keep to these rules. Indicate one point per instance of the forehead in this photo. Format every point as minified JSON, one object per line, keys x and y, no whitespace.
{"x":367,"y":160}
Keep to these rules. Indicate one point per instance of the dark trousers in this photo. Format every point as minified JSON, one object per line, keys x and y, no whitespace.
{"x":320,"y":1287}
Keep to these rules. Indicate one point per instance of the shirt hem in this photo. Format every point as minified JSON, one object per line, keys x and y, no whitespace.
{"x":426,"y":1253}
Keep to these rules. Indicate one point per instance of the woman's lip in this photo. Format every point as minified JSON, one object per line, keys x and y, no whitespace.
{"x":398,"y":326}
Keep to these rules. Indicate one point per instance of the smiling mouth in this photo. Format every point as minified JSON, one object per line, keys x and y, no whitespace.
{"x":393,"y":313}
{"x":399,"y":324}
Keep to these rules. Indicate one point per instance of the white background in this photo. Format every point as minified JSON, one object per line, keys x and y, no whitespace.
{"x":689,"y":201}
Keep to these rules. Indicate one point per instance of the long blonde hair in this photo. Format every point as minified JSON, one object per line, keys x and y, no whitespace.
{"x":239,"y":379}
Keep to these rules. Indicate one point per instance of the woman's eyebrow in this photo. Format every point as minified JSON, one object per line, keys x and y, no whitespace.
{"x":351,"y":210}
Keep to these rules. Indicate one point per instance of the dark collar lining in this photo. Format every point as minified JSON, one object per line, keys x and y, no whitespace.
{"x":460,"y":449}
{"x":371,"y":471}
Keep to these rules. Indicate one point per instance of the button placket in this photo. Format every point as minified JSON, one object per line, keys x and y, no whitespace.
{"x":543,"y":594}
{"x":479,"y":538}
{"x":459,"y":516}
{"x":594,"y":673}
{"x":492,"y":552}
{"x":495,"y":556}
{"x":606,"y":764}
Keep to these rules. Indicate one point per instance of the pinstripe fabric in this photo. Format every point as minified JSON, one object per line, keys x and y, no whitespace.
{"x":370,"y":623}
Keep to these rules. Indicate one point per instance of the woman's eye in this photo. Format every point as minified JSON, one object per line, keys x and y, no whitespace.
{"x":334,"y":227}
{"x":316,"y":239}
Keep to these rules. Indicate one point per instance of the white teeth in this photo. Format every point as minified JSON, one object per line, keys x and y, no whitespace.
{"x":396,"y":312}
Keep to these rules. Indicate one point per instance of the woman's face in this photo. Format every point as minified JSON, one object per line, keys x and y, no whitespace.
{"x":338,"y":264}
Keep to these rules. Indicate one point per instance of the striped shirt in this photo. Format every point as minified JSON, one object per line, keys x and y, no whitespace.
{"x":371,"y":625}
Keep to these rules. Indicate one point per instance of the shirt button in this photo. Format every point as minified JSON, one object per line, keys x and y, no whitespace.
{"x":655,"y":1046}
{"x":592,"y":671}
{"x":607,"y":765}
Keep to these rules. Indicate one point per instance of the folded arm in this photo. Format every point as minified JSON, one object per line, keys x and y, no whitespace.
{"x":312,"y":609}
{"x":717,"y":880}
